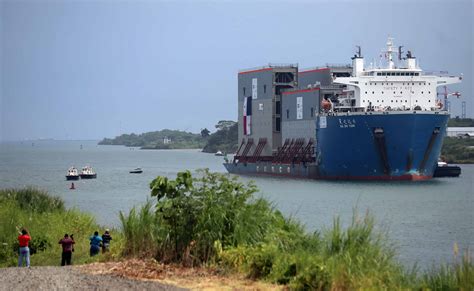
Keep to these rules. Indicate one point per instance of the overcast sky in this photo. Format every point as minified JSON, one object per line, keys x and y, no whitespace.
{"x":94,"y":69}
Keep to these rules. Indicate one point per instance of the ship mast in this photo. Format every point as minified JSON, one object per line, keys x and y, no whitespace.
{"x":391,"y":64}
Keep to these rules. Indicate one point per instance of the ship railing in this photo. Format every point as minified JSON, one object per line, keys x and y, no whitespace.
{"x":331,"y":66}
{"x":270,"y":65}
{"x":338,"y":66}
{"x":436,"y":73}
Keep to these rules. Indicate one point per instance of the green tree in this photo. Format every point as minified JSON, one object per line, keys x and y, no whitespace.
{"x":205,"y":132}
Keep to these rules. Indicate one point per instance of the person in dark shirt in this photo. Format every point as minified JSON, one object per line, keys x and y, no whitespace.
{"x":106,"y":238}
{"x":67,"y":244}
{"x":23,"y":240}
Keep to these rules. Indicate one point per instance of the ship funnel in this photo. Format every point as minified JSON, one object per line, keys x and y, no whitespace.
{"x":357,"y":63}
{"x":411,"y":61}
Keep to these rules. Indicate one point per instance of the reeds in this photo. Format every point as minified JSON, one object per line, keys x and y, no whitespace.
{"x":32,"y":199}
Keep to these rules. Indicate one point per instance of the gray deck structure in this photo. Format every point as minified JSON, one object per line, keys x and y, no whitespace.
{"x":285,"y":103}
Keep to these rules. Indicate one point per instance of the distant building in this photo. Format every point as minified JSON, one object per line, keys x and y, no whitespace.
{"x":166,"y":140}
{"x":460,"y":132}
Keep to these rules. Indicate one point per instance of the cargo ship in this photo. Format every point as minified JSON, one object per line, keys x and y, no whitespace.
{"x":345,"y":122}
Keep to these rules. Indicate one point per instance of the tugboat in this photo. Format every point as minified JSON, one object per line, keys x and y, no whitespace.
{"x":445,"y":170}
{"x":136,"y":171}
{"x":72,"y":174}
{"x":88,"y":173}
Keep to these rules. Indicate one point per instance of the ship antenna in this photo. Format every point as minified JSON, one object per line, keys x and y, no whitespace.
{"x":359,"y":51}
{"x":390,"y":52}
{"x":400,"y":52}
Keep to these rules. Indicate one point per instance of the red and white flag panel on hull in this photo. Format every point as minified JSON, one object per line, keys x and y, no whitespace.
{"x":247,"y":115}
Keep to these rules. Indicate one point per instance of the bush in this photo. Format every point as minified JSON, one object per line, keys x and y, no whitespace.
{"x":197,"y":217}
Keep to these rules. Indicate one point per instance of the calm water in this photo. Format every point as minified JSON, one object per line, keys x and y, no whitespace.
{"x":424,"y":219}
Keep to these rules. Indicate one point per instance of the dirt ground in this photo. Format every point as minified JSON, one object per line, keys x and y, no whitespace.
{"x":189,"y":278}
{"x":125,"y":275}
{"x":70,"y":278}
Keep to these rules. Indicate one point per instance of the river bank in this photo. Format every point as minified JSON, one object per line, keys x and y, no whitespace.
{"x":252,"y":241}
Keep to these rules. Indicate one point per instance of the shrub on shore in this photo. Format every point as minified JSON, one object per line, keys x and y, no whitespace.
{"x":47,"y":221}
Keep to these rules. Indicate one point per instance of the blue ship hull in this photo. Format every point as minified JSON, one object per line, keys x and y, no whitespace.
{"x":367,"y":146}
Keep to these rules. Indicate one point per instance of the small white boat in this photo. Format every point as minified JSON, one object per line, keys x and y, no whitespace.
{"x":72,"y":174}
{"x":219,"y":154}
{"x":88,"y":173}
{"x":136,"y":171}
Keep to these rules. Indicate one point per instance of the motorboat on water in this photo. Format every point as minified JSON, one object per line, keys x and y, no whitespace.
{"x":445,"y":170}
{"x":72,"y":174}
{"x":219,"y":154}
{"x":88,"y":173}
{"x":136,"y":171}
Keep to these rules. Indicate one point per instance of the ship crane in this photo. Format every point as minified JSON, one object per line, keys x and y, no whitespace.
{"x":446,"y":94}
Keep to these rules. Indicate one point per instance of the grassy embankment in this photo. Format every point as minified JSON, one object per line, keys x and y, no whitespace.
{"x":47,"y":220}
{"x":216,"y":221}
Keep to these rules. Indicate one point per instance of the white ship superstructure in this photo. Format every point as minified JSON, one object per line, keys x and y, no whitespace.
{"x":402,"y":87}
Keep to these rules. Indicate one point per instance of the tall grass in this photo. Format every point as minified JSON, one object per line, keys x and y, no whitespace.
{"x":140,"y":231}
{"x":459,"y":275}
{"x":32,"y":199}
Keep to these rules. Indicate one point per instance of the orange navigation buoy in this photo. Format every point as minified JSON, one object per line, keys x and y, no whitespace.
{"x":72,"y":186}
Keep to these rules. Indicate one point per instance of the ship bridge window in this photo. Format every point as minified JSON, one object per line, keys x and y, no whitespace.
{"x":416,"y":74}
{"x":379,"y":74}
{"x":244,"y":91}
{"x":403,"y":73}
{"x":398,"y":73}
{"x":384,"y":74}
{"x":412,"y":74}
{"x":264,"y":89}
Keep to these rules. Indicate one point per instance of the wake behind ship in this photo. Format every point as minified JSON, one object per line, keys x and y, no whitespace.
{"x":342,"y":121}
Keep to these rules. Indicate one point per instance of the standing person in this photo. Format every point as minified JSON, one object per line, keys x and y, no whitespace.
{"x":67,"y":244}
{"x":23,"y":240}
{"x":96,"y":242}
{"x":106,"y":238}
